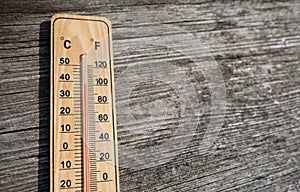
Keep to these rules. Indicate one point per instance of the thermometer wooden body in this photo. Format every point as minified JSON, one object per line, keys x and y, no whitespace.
{"x":83,"y":152}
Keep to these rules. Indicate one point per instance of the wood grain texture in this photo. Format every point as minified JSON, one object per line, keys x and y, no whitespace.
{"x":256,"y":45}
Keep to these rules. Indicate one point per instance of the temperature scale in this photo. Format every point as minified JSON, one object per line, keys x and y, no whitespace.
{"x":83,"y":153}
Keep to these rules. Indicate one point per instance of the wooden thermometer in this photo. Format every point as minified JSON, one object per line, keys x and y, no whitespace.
{"x":83,"y":124}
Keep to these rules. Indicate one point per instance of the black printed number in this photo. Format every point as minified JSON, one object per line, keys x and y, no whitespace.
{"x":102,"y":81}
{"x":65,"y":145}
{"x":105,"y":176}
{"x":101,"y":64}
{"x":104,"y":156}
{"x":65,"y":183}
{"x":102,"y":99}
{"x":65,"y":110}
{"x":65,"y":77}
{"x":66,"y":164}
{"x":65,"y":127}
{"x":63,"y":61}
{"x":64,"y":93}
{"x":104,"y":136}
{"x":103,"y":117}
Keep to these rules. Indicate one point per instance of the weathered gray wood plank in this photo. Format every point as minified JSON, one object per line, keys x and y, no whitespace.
{"x":256,"y":46}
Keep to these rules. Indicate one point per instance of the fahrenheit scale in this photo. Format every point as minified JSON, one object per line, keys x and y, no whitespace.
{"x":83,"y":153}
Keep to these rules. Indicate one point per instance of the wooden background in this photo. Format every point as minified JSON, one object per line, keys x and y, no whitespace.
{"x":256,"y":45}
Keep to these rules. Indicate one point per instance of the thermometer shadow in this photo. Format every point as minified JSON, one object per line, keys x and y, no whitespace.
{"x":44,"y":107}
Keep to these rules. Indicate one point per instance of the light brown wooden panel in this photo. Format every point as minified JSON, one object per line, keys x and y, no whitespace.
{"x":83,"y":130}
